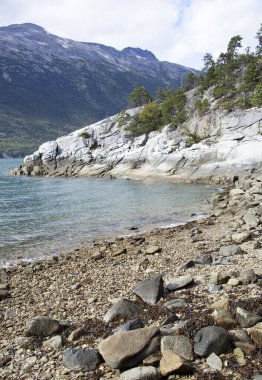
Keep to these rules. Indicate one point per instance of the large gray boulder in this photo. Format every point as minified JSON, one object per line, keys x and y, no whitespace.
{"x":81,"y":359}
{"x":127,"y":349}
{"x":211,"y":339}
{"x":150,"y":289}
{"x":180,"y":282}
{"x":41,"y":326}
{"x":121,"y":310}
{"x":247,"y":318}
{"x":230,"y":250}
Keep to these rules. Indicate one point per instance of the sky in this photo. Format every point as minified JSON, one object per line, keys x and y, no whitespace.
{"x":179,"y":31}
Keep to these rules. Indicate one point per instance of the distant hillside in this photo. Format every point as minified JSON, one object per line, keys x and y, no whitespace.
{"x":51,"y":85}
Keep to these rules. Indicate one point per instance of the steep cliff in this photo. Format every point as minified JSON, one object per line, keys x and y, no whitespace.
{"x":204,"y":148}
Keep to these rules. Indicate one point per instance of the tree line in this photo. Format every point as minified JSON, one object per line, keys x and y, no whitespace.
{"x":234,"y":79}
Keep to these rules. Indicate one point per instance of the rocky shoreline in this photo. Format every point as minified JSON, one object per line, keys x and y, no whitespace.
{"x":182,"y":302}
{"x":206,"y":148}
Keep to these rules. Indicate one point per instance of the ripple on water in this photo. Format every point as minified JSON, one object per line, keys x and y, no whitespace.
{"x":42,"y":216}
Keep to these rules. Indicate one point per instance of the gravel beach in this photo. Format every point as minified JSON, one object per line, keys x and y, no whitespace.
{"x":78,"y":288}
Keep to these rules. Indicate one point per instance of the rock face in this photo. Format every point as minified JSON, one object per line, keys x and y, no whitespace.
{"x":233,"y":143}
{"x":127,"y":349}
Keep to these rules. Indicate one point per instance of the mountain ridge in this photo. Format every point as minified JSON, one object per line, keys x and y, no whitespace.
{"x":53,"y":85}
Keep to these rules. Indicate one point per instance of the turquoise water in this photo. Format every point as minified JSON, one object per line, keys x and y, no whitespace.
{"x":41,"y":216}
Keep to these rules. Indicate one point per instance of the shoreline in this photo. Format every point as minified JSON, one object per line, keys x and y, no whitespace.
{"x":77,"y":289}
{"x":133,"y":232}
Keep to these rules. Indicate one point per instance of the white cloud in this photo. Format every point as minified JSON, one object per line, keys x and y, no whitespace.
{"x":176,"y":30}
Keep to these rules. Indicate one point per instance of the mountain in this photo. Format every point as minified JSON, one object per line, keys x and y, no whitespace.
{"x":52,"y":85}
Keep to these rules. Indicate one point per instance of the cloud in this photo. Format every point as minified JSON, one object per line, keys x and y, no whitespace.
{"x":180,"y":31}
{"x":208,"y":26}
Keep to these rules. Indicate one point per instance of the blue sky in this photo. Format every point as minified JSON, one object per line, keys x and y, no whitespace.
{"x":180,"y":31}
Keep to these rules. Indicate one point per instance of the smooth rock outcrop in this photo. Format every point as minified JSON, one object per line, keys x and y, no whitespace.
{"x":127,"y":349}
{"x":108,"y":149}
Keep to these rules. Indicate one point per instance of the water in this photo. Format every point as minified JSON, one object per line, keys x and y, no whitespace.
{"x":43,"y":216}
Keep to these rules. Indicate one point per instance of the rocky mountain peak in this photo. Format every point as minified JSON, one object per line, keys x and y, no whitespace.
{"x":139,"y":53}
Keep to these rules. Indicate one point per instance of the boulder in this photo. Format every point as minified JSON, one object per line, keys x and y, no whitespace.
{"x":247,"y":277}
{"x":218,"y":278}
{"x":233,"y":282}
{"x":256,"y":334}
{"x":121,"y":310}
{"x":54,"y":343}
{"x":221,"y":304}
{"x":203,"y":259}
{"x":236,"y":192}
{"x":211,"y":339}
{"x":129,"y":325}
{"x":41,"y":326}
{"x":173,"y":363}
{"x":127,"y":349}
{"x":230,"y":250}
{"x":152,"y":249}
{"x":180,"y":283}
{"x":240,"y":237}
{"x":224,"y":319}
{"x":221,"y":261}
{"x":80,"y":359}
{"x":150,"y":289}
{"x":214,"y":288}
{"x":215,"y":362}
{"x":251,"y":218}
{"x":246,"y":318}
{"x":140,"y":373}
{"x":175,"y":303}
{"x":178,"y":344}
{"x":239,"y":355}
